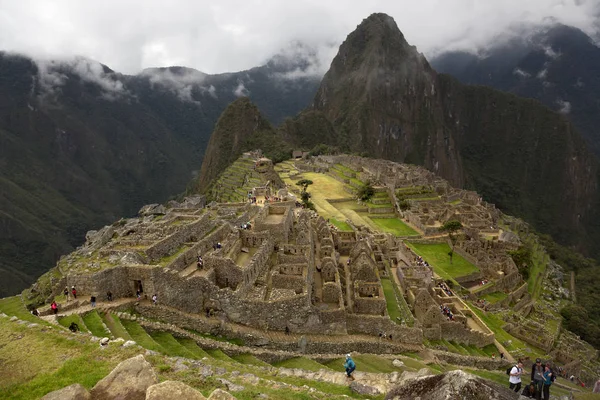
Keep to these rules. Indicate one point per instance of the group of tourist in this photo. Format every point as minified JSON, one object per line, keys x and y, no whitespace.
{"x":200,"y":262}
{"x":421,"y":262}
{"x":447,"y":312}
{"x":445,"y":288}
{"x":542,"y":377}
{"x":246,"y":226}
{"x":383,"y":335}
{"x":483,"y":282}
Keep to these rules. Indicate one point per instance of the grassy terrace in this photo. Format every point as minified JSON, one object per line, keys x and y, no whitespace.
{"x":394,"y":226}
{"x":341,"y":225}
{"x":494,"y":297}
{"x":437,"y":256}
{"x":390,"y":298}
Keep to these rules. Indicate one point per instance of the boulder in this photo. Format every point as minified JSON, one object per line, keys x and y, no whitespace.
{"x":397,"y":363}
{"x":73,"y":392}
{"x":152,"y":209}
{"x":219,"y":394}
{"x":451,"y":385}
{"x":128,"y":381}
{"x":173,"y":390}
{"x":364,"y":390}
{"x":129,"y":343}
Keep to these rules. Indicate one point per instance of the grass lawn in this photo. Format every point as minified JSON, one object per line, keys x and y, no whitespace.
{"x":394,"y":226}
{"x":341,"y":225}
{"x":171,"y":345}
{"x":66,"y":322}
{"x":94,"y":323}
{"x":218,"y":354}
{"x":249,"y":359}
{"x":390,"y":298}
{"x":366,"y":363}
{"x":14,"y":307}
{"x":437,"y":256}
{"x":300,"y":362}
{"x":192,"y":347}
{"x":114,"y":325}
{"x":494,"y":297}
{"x":141,"y":336}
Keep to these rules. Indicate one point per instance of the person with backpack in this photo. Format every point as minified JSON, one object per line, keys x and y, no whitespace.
{"x":537,"y":377}
{"x":547,"y":381}
{"x":350,"y":366}
{"x":514,"y":379}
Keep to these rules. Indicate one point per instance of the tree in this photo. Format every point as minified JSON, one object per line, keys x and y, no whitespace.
{"x":366,"y":191}
{"x":305,"y":196}
{"x":451,"y":227}
{"x":304,"y":183}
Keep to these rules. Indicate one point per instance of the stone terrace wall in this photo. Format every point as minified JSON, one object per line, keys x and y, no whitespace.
{"x":373,"y":325}
{"x":171,"y":243}
{"x":459,"y":333}
{"x":471,"y":361}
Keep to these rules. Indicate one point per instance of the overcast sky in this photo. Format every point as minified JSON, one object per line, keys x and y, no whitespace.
{"x":225,"y":35}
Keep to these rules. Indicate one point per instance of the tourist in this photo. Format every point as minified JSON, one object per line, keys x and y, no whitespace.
{"x":138,"y":294}
{"x":74,"y":292}
{"x":154,"y":299}
{"x":515,"y":377}
{"x":73,"y":327}
{"x":547,"y":382}
{"x":93,"y":301}
{"x":200,"y":262}
{"x":529,"y":391}
{"x":287,"y":330}
{"x":537,"y":376}
{"x":597,"y":387}
{"x":109,"y":295}
{"x":54,"y":307}
{"x":66,"y":293}
{"x":501,"y":356}
{"x":350,"y":366}
{"x":35,"y":312}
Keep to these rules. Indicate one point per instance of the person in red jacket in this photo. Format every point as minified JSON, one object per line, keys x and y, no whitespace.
{"x":54,"y":307}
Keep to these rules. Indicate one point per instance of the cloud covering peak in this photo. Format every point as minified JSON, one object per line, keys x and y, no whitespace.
{"x":231,"y":35}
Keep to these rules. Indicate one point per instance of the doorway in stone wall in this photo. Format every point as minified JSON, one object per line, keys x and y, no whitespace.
{"x":137,"y":285}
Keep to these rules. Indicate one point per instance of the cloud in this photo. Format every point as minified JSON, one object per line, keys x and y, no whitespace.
{"x":521,"y":73}
{"x":53,"y":74}
{"x":240,"y":90}
{"x":229,"y":35}
{"x":565,"y":106}
{"x":180,"y":81}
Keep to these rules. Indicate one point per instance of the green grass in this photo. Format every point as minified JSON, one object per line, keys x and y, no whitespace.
{"x":366,"y":363}
{"x":14,"y":307}
{"x":66,"y":322}
{"x":249,"y":359}
{"x":301,"y":363}
{"x":341,"y":225}
{"x":394,"y":226}
{"x":437,"y":256}
{"x":494,"y":297}
{"x":140,"y":336}
{"x":171,"y":345}
{"x":113,"y":323}
{"x":94,"y":323}
{"x":218,"y":354}
{"x":537,"y":268}
{"x":193,"y":347}
{"x":42,"y":359}
{"x":390,"y":298}
{"x":388,"y":205}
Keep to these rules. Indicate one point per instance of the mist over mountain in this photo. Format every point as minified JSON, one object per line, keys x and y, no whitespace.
{"x":557,"y":65}
{"x":82,"y":145}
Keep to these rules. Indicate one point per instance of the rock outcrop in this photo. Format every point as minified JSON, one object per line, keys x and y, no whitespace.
{"x":128,"y":381}
{"x":72,"y":392}
{"x":173,"y":390}
{"x":454,"y":385}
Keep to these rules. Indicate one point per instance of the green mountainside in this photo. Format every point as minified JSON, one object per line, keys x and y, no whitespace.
{"x":81,"y":145}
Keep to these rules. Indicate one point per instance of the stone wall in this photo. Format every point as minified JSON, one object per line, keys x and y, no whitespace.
{"x":187,"y":233}
{"x":374,"y":325}
{"x":460,"y":333}
{"x":472,"y":362}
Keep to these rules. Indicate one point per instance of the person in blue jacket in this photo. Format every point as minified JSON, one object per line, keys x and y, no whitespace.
{"x":350,"y":366}
{"x":547,"y":382}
